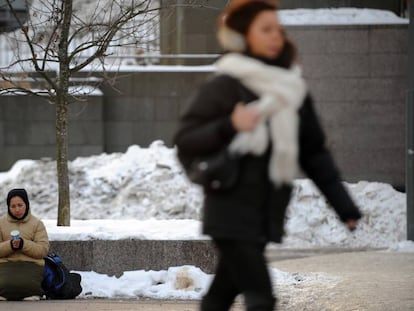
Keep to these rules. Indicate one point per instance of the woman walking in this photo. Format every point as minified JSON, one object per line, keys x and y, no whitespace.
{"x":258,"y":108}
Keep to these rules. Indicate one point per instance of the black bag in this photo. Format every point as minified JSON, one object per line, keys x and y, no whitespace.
{"x":58,"y":282}
{"x":219,"y":171}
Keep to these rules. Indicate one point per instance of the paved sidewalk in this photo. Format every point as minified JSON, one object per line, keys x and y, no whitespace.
{"x":363,"y":281}
{"x":367,"y":281}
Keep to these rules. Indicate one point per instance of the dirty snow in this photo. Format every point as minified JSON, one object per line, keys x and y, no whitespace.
{"x":185,"y":282}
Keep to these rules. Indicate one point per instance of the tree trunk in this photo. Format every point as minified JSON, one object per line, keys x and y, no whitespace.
{"x":62,"y":161}
{"x":62,"y":117}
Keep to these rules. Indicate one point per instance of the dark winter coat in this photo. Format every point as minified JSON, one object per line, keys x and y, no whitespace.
{"x":254,"y":209}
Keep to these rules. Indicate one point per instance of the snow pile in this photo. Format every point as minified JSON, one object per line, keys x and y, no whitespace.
{"x":143,"y":193}
{"x":141,"y":183}
{"x":312,"y":222}
{"x":186,"y":282}
{"x":340,"y":16}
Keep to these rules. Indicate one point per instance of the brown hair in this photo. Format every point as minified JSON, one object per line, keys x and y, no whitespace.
{"x":239,"y":15}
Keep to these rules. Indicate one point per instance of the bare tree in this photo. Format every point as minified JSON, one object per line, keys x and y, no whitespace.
{"x":60,"y":38}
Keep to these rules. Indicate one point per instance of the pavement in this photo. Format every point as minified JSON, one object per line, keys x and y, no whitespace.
{"x":351,"y":281}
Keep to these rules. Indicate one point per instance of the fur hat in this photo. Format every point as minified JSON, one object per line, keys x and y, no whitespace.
{"x":18,"y":193}
{"x":235,"y":21}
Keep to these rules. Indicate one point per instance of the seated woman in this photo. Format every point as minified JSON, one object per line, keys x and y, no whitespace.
{"x":21,"y":252}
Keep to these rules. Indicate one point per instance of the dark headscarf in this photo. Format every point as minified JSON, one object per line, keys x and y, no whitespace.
{"x":23,"y":195}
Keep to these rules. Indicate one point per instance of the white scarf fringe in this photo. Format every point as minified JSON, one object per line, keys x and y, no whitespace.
{"x":281,"y":93}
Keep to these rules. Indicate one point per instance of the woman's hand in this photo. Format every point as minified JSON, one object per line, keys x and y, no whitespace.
{"x":16,"y":243}
{"x":351,"y":224}
{"x":244,"y":118}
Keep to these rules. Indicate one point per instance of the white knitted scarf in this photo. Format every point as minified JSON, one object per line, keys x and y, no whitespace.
{"x":281,"y":93}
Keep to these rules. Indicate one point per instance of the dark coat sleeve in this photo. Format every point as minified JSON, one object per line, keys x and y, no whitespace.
{"x":317,"y":162}
{"x":206,"y":127}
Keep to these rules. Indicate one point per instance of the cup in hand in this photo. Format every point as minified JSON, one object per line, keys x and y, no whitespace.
{"x":15,"y":235}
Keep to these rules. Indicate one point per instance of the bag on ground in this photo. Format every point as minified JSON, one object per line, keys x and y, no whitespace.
{"x":58,"y":282}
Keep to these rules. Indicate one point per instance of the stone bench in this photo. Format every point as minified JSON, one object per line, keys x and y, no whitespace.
{"x":113,"y":257}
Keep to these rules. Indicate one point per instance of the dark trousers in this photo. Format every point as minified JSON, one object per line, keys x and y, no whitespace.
{"x":242,"y":270}
{"x":20,"y":279}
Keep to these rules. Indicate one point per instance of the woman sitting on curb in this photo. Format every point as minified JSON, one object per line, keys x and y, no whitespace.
{"x":23,"y":244}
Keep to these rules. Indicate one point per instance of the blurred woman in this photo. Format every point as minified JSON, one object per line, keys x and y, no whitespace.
{"x":256,"y":106}
{"x":23,"y":244}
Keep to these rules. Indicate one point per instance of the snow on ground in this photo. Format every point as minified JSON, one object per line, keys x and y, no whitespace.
{"x":339,"y":16}
{"x":143,"y":193}
{"x":186,"y":282}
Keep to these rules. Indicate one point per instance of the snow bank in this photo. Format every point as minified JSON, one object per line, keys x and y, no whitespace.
{"x":186,"y":282}
{"x":141,"y":183}
{"x":113,"y":229}
{"x":144,"y":194}
{"x":340,"y":16}
{"x":312,"y":222}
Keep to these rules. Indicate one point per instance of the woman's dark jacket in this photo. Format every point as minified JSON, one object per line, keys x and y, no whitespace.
{"x":254,"y":209}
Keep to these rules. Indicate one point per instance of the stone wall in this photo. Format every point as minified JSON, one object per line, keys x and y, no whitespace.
{"x":115,"y":257}
{"x":27,"y":128}
{"x":356,"y":74}
{"x":145,"y":106}
{"x":190,"y":26}
{"x":358,"y":78}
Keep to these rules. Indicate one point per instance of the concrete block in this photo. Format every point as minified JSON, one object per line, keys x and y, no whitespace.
{"x":3,"y":100}
{"x":17,"y":152}
{"x":144,"y":83}
{"x":89,"y":110}
{"x":16,"y":132}
{"x":115,"y":257}
{"x":119,"y":108}
{"x":374,"y":153}
{"x":358,"y":89}
{"x":330,"y":39}
{"x":384,"y":165}
{"x":184,"y":103}
{"x":85,"y":133}
{"x":213,"y":46}
{"x":28,"y":108}
{"x":389,"y":39}
{"x":2,"y":134}
{"x":143,"y":133}
{"x":84,"y":151}
{"x":166,"y":108}
{"x":40,"y":133}
{"x":166,"y":84}
{"x":376,"y":113}
{"x":144,"y":109}
{"x":389,"y":65}
{"x":165,"y":131}
{"x":336,"y":65}
{"x":76,"y":255}
{"x":114,"y":148}
{"x":191,"y":82}
{"x":119,"y":133}
{"x":195,"y":43}
{"x":198,"y":20}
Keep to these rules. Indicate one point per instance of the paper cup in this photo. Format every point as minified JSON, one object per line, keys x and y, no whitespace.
{"x":15,"y":235}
